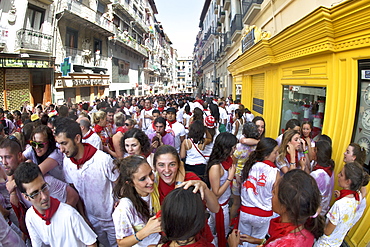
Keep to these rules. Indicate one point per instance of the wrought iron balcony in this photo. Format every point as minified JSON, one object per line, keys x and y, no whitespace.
{"x":30,"y":40}
{"x":127,"y":40}
{"x":207,"y":59}
{"x":236,"y":26}
{"x":227,"y":41}
{"x":250,"y":9}
{"x":86,"y":58}
{"x":208,"y":33}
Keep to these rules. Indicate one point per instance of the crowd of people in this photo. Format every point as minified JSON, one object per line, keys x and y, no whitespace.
{"x":171,"y":170}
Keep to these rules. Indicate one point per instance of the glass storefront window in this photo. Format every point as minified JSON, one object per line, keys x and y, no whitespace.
{"x":305,"y":104}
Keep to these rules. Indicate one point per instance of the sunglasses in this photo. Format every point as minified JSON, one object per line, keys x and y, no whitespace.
{"x":127,"y":124}
{"x":38,"y":144}
{"x":36,"y":194}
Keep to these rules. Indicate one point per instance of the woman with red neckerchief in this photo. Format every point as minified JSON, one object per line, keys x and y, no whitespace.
{"x":297,"y":226}
{"x":343,"y":214}
{"x":322,"y":172}
{"x":220,"y":173}
{"x":171,"y":174}
{"x":99,"y":120}
{"x":259,"y":175}
{"x":290,"y":153}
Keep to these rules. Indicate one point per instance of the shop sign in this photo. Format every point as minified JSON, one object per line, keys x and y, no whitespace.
{"x":81,"y":82}
{"x":248,"y":41}
{"x":3,"y":34}
{"x":365,"y":74}
{"x":22,"y":63}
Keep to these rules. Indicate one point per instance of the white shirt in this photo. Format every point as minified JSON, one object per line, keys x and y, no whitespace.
{"x":94,"y":140}
{"x":179,"y":130}
{"x":127,"y":221}
{"x":146,"y":122}
{"x":223,"y":115}
{"x":94,"y":183}
{"x":67,"y":228}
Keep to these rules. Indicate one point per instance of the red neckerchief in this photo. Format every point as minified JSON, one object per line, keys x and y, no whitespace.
{"x":89,"y":152}
{"x":278,"y":229}
{"x":148,"y":109}
{"x":171,"y":122}
{"x":227,"y":163}
{"x":202,"y":242}
{"x":289,"y":158}
{"x":327,"y":169}
{"x":54,"y":204}
{"x":269,"y":163}
{"x":153,"y":126}
{"x":98,"y":128}
{"x":88,"y":135}
{"x":122,"y":129}
{"x":344,"y":193}
{"x":199,"y":101}
{"x":190,"y":113}
{"x":161,"y":109}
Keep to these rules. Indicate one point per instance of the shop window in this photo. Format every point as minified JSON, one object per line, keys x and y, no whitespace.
{"x":238,"y":92}
{"x":71,"y":38}
{"x":305,"y":104}
{"x":34,"y":17}
{"x":361,"y":132}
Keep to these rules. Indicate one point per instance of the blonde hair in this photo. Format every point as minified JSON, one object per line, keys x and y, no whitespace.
{"x":97,"y":116}
{"x":119,"y":119}
{"x":287,"y":137}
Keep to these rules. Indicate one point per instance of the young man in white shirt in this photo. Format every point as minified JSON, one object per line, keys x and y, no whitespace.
{"x":50,"y":221}
{"x":146,"y":116}
{"x":92,"y":173}
{"x":177,"y":128}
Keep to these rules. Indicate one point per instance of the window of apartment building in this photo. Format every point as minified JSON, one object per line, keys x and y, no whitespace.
{"x":135,"y":9}
{"x":128,"y":1}
{"x":101,"y":7}
{"x":34,"y":17}
{"x":71,"y":37}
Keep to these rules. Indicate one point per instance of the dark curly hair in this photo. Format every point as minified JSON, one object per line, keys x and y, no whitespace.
{"x":139,"y":135}
{"x":197,"y":131}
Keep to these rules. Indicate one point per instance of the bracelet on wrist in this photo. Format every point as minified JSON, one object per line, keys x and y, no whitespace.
{"x":292,"y":163}
{"x":263,"y":241}
{"x":137,"y":237}
{"x":229,"y":180}
{"x":305,"y":152}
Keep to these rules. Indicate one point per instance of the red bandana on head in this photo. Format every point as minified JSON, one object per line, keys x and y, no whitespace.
{"x":89,"y":152}
{"x":54,"y":204}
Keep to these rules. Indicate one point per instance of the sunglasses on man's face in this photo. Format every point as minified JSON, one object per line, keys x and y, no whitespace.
{"x":127,"y":124}
{"x":38,"y":144}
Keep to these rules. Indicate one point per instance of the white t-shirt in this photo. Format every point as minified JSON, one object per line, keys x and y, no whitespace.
{"x":127,"y":221}
{"x":223,"y":115}
{"x":146,"y":122}
{"x":179,"y":130}
{"x":67,"y":228}
{"x":94,"y":140}
{"x":94,"y":183}
{"x":56,"y":155}
{"x":342,"y":215}
{"x":326,"y":187}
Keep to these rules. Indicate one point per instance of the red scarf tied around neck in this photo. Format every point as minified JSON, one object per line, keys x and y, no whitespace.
{"x":344,"y":193}
{"x":279,"y":229}
{"x":89,"y":152}
{"x":54,"y":205}
{"x":88,"y":135}
{"x":327,"y":169}
{"x":161,"y":109}
{"x":290,"y":159}
{"x":269,"y":163}
{"x":171,"y":122}
{"x":98,"y":128}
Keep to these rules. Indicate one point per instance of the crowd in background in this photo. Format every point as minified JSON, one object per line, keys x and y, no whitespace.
{"x":171,"y":170}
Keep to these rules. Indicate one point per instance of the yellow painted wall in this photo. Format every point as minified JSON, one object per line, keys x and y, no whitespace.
{"x":328,"y":44}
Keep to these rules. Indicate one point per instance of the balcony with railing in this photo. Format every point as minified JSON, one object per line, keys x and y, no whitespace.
{"x":86,"y":58}
{"x":226,"y":4}
{"x":250,"y":9}
{"x":207,"y":34}
{"x":207,"y":59}
{"x":125,"y":39}
{"x":227,"y":41}
{"x":236,"y":27}
{"x":79,"y":13}
{"x":129,"y":12}
{"x":33,"y":41}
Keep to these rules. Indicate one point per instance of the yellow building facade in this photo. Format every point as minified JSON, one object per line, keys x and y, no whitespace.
{"x":320,"y":54}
